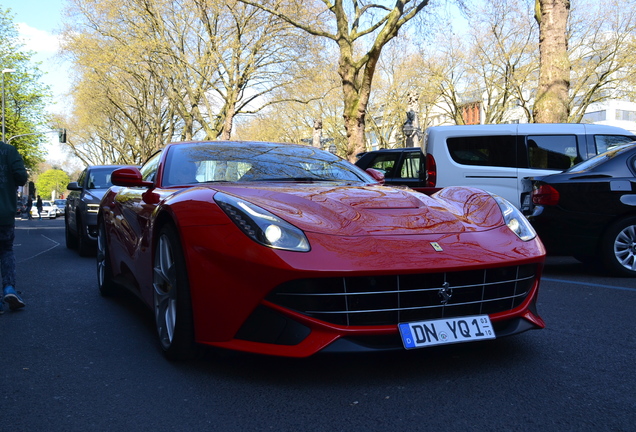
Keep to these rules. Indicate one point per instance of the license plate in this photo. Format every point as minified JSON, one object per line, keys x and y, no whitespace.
{"x":446,"y":331}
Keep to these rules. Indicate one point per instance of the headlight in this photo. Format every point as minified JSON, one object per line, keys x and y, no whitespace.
{"x":515,"y":220}
{"x":261,"y":225}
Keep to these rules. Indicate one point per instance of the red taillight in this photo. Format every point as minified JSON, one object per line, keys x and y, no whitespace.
{"x":545,"y":195}
{"x":431,"y":171}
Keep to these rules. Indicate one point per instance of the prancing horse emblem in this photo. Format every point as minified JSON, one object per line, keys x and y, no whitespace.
{"x":437,"y":247}
{"x":445,"y":293}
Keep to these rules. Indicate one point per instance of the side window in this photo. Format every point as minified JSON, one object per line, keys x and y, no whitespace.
{"x":411,"y":166}
{"x":497,"y":151}
{"x":82,"y":179}
{"x":386,"y":163}
{"x":604,"y":143}
{"x":557,"y":152}
{"x":149,"y":169}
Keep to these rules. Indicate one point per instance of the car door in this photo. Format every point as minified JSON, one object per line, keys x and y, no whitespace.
{"x":410,"y":170}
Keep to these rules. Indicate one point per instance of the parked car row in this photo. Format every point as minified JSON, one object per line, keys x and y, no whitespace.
{"x":581,"y":204}
{"x":340,"y":261}
{"x":495,"y":158}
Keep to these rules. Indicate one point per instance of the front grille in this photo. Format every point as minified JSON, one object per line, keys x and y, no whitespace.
{"x":387,"y":300}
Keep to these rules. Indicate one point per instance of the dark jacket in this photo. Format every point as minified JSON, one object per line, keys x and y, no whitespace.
{"x":12,"y":175}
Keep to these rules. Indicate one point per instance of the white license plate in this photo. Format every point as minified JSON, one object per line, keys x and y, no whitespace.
{"x":446,"y":331}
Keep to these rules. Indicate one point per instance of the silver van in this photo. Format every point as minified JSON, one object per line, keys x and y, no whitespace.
{"x":498,"y":157}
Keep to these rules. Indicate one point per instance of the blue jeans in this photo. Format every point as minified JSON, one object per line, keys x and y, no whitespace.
{"x":7,"y":258}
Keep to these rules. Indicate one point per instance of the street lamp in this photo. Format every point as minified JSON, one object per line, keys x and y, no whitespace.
{"x":4,"y":71}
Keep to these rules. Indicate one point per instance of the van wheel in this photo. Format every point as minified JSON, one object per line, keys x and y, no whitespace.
{"x":618,"y":248}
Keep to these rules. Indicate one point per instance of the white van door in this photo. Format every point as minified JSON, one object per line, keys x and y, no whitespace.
{"x":485,"y":162}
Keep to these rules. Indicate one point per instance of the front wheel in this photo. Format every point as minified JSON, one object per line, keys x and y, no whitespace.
{"x":71,"y":239}
{"x":105,"y":282}
{"x":619,"y":248}
{"x":172,"y":303}
{"x":84,"y":245}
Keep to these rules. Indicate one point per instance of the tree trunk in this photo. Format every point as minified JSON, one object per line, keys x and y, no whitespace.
{"x":355,"y":136}
{"x":551,"y":104}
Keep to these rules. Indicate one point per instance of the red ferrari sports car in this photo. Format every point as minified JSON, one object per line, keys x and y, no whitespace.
{"x":289,"y":250}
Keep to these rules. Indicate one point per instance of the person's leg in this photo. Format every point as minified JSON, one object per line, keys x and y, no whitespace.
{"x":7,"y":267}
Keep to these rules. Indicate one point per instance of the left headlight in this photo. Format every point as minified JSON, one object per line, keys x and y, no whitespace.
{"x":515,"y":220}
{"x":261,"y":225}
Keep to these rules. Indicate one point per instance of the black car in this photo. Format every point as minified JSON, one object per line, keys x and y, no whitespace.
{"x":82,"y":205}
{"x":400,"y":166}
{"x":589,"y":210}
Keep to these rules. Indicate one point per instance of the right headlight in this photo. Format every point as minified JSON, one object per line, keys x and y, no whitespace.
{"x":515,"y":220}
{"x":261,"y":225}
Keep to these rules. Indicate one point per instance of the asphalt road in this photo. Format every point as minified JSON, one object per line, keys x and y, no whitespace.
{"x":74,"y":361}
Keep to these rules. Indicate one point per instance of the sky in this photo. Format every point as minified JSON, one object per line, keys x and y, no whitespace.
{"x":39,"y":22}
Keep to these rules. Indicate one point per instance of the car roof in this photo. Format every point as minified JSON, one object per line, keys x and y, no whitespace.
{"x":525,"y":128}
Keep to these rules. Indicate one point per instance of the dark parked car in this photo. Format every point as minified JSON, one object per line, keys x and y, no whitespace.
{"x":400,"y":166}
{"x":589,"y":210}
{"x":82,"y":205}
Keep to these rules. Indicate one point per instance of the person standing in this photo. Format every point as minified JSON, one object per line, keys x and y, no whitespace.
{"x":12,"y":175}
{"x":38,"y":205}
{"x":29,"y":206}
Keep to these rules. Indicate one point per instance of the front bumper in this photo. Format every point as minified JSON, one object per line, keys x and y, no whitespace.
{"x":234,"y":287}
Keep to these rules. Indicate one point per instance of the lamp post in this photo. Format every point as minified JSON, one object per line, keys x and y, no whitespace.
{"x":4,"y":71}
{"x":411,"y":131}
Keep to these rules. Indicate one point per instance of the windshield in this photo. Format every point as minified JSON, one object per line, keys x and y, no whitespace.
{"x":593,"y":162}
{"x":253,"y":162}
{"x":99,"y":178}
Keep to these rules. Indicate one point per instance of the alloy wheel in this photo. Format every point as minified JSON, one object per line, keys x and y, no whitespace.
{"x":165,"y":291}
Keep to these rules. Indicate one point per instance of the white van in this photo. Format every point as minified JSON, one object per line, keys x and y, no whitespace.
{"x":497,"y":157}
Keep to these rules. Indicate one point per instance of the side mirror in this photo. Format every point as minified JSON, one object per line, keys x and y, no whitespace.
{"x":377,"y":175}
{"x":129,"y":177}
{"x":74,"y":186}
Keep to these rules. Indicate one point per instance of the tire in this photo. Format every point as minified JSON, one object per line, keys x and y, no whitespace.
{"x":71,"y":239}
{"x":107,"y":288}
{"x":84,"y":245}
{"x":618,"y":248}
{"x":171,"y":294}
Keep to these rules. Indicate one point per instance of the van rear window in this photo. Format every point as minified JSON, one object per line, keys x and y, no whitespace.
{"x":497,"y":151}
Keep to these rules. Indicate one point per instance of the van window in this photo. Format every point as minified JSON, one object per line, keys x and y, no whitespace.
{"x":557,"y":152}
{"x":606,"y":142}
{"x":496,"y":151}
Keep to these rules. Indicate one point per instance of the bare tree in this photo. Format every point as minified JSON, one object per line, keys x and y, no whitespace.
{"x":503,"y":56}
{"x":350,"y":24}
{"x":173,"y":69}
{"x":599,"y":35}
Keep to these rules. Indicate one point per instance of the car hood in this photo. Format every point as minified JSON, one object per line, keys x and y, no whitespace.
{"x":375,"y":210}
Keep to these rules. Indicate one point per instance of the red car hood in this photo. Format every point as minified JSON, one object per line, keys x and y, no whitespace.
{"x":375,"y":210}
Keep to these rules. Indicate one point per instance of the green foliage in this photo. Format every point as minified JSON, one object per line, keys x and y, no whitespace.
{"x":51,"y":180}
{"x":25,"y":96}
